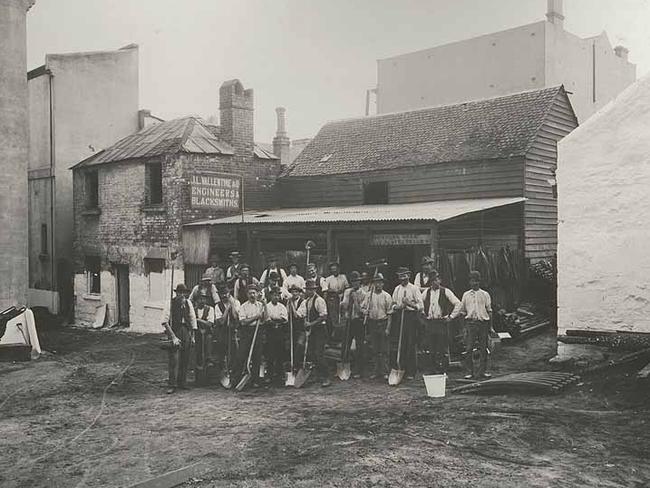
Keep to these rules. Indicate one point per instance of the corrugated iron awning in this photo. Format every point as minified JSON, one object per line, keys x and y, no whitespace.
{"x":438,"y":211}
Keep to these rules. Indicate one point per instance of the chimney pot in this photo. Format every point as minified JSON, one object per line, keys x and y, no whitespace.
{"x":555,"y":13}
{"x":622,"y":52}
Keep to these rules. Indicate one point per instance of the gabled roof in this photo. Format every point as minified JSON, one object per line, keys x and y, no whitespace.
{"x":264,"y":150}
{"x":186,"y":135}
{"x":494,"y":128}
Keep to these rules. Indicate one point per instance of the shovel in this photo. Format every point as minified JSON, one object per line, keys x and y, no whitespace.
{"x":226,"y":380}
{"x":249,"y":363}
{"x":290,"y":377}
{"x":343,"y":369}
{"x":396,"y":375}
{"x":303,"y":373}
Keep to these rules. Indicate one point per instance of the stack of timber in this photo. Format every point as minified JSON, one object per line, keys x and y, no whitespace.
{"x":522,"y":322}
{"x":538,"y":382}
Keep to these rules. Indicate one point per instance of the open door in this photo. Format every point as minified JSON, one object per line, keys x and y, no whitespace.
{"x":123,"y":294}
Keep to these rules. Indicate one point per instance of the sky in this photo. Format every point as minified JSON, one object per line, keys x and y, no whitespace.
{"x":317,"y":58}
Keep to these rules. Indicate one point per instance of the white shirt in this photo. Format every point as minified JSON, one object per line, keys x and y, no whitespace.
{"x":319,"y":305}
{"x":199,"y":313}
{"x":434,"y":311}
{"x":418,"y":282}
{"x":276,"y":312}
{"x":356,"y":297}
{"x":234,"y":303}
{"x":291,"y":280}
{"x":409,"y":292}
{"x":249,"y":310}
{"x":477,"y":305}
{"x":336,"y":284}
{"x":378,"y":306}
{"x":213,"y":291}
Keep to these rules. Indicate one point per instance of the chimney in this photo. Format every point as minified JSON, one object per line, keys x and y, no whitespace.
{"x":555,"y":13}
{"x":143,"y":114}
{"x":622,"y":52}
{"x":281,"y":143}
{"x":236,"y":108}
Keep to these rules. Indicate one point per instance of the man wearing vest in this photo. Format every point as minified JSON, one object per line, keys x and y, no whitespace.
{"x":180,"y":325}
{"x":205,"y":321}
{"x":232,"y":273}
{"x":407,"y":303}
{"x":351,"y":307}
{"x":333,"y":287}
{"x":272,"y":283}
{"x":272,"y":267}
{"x":477,"y":308}
{"x":314,"y":311}
{"x":423,"y":278}
{"x":440,"y":307}
{"x":242,"y":283}
{"x":211,"y":293}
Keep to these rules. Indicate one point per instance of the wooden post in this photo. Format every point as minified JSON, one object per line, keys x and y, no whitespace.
{"x":330,"y":245}
{"x":434,"y":246}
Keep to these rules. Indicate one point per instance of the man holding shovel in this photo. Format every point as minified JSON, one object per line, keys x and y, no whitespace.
{"x":226,"y":317}
{"x":251,"y":313}
{"x":440,"y":307}
{"x":407,"y":303}
{"x":180,"y":325}
{"x":205,"y":321}
{"x":276,"y":317}
{"x":314,"y":311}
{"x":353,"y":299}
{"x":377,"y":309}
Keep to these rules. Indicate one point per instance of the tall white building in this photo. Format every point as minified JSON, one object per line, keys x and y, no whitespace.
{"x":529,"y":57}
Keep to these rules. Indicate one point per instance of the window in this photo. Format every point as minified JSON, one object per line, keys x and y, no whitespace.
{"x":153,"y":270}
{"x":44,"y":239}
{"x":153,"y":182}
{"x":92,"y":189}
{"x":93,"y":266}
{"x":375,"y":192}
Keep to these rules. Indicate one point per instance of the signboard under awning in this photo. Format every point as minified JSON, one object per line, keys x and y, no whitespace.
{"x":400,"y":239}
{"x":216,"y":191}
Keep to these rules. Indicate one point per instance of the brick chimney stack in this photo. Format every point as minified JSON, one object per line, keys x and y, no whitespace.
{"x":622,"y":52}
{"x":236,"y":107}
{"x":555,"y":13}
{"x":281,"y":142}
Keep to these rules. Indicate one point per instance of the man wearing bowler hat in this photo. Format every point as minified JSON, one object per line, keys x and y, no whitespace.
{"x":407,"y":303}
{"x":180,"y":325}
{"x":232,"y":273}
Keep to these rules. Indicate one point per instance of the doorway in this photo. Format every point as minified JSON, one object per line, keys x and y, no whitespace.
{"x":123,"y":294}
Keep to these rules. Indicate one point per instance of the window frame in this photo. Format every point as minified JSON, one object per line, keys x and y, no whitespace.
{"x":372,"y":186}
{"x":91,"y":182}
{"x":149,"y":187}
{"x":94,"y":262}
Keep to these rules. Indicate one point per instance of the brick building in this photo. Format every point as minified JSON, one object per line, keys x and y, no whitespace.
{"x":131,"y":200}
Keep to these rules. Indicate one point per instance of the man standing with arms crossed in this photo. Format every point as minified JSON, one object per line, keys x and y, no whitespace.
{"x":440,"y":307}
{"x":477,"y":308}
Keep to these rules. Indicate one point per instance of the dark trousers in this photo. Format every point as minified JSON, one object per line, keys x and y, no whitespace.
{"x":298,"y":348}
{"x":436,"y":340}
{"x":179,"y":359}
{"x":358,"y":334}
{"x":317,"y":342}
{"x":274,"y":350}
{"x":476,"y":340}
{"x":245,"y":339}
{"x":408,"y":359}
{"x":379,"y":345}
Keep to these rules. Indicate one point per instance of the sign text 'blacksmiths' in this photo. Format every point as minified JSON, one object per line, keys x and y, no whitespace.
{"x":216,"y":192}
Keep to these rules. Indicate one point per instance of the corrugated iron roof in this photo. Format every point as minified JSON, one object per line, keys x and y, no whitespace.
{"x":188,"y":134}
{"x":494,"y":128}
{"x":438,"y":211}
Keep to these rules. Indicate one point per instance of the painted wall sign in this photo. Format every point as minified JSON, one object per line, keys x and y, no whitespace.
{"x":400,"y":239}
{"x":215,"y":191}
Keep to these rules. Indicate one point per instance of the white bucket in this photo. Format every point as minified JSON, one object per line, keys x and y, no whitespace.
{"x":435,"y":384}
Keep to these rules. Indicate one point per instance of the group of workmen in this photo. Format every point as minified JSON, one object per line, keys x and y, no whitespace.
{"x":271,"y":327}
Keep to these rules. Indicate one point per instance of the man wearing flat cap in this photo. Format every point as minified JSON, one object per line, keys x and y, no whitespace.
{"x":407,"y":303}
{"x":251,"y":312}
{"x":422,"y":279}
{"x":314,"y":312}
{"x":232,"y":273}
{"x":477,"y":309}
{"x":205,"y":320}
{"x":293,"y":304}
{"x":378,"y":308}
{"x":333,"y":287}
{"x":241,"y":284}
{"x":205,"y":285}
{"x":179,"y":321}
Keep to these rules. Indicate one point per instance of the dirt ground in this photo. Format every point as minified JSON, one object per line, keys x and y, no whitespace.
{"x":93,"y":413}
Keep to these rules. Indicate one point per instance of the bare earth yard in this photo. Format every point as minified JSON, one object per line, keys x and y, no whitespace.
{"x":58,"y":429}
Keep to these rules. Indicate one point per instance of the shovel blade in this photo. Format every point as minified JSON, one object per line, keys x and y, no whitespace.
{"x":343,"y":371}
{"x":243,"y":382}
{"x":226,"y":381}
{"x":301,"y":377}
{"x":395,"y":377}
{"x":290,"y":379}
